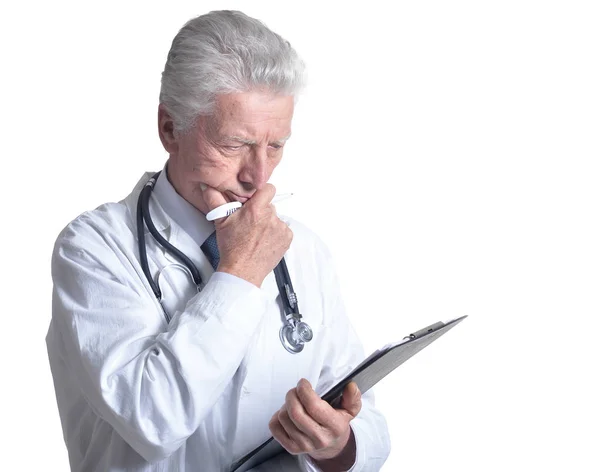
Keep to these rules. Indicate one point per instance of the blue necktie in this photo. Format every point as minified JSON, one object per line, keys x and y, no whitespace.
{"x":211,"y":250}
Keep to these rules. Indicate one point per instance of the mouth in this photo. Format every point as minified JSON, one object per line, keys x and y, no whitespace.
{"x":237,"y":198}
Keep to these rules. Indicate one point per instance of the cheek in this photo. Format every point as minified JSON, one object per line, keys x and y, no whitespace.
{"x":216,"y":171}
{"x":277,"y":159}
{"x":274,"y":163}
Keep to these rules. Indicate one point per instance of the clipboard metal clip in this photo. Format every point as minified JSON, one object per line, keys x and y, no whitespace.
{"x":424,"y":331}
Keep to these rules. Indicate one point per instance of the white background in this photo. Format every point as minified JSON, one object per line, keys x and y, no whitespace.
{"x":461,"y":139}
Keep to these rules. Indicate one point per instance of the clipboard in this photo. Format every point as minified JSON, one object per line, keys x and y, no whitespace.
{"x":366,"y":375}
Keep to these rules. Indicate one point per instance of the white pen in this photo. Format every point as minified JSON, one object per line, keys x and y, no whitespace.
{"x":231,"y":207}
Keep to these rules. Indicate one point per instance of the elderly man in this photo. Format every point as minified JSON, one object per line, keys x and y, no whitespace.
{"x":173,"y":361}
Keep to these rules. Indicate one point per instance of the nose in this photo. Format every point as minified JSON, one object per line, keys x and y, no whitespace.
{"x":256,"y":171}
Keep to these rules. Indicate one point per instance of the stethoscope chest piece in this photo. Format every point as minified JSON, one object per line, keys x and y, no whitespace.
{"x":293,"y":336}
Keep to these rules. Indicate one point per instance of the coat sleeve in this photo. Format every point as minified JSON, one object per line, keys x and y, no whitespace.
{"x":152,"y":383}
{"x":345,"y":351}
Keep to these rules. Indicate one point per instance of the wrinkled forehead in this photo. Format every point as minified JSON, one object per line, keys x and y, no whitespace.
{"x":256,"y":113}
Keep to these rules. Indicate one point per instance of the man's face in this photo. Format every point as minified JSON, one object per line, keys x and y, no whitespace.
{"x":234,"y":151}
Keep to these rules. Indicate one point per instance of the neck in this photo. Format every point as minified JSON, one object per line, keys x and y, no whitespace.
{"x":174,"y":178}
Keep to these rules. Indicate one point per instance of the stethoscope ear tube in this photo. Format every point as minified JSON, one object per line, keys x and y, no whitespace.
{"x":143,"y":215}
{"x":145,"y":207}
{"x":142,"y":246}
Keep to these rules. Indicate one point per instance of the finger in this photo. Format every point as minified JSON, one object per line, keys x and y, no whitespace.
{"x":262,"y":198}
{"x":301,"y":419}
{"x":281,"y":436}
{"x":319,"y":410}
{"x":213,"y":198}
{"x":301,"y":440}
{"x":352,"y":399}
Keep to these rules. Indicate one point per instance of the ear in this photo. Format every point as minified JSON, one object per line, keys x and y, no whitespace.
{"x":166,"y":130}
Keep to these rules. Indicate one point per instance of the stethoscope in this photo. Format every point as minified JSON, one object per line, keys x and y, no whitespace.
{"x":293,"y":334}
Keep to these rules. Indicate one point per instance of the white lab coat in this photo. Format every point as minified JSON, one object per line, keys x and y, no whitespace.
{"x":137,"y":394}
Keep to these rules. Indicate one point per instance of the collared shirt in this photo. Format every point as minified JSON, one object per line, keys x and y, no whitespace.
{"x":136,"y":392}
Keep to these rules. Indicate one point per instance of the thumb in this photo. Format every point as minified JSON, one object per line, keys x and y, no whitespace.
{"x":351,"y":399}
{"x":212,"y":197}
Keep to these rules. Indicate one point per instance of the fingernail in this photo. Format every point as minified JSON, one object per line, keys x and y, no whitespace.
{"x":203,"y":187}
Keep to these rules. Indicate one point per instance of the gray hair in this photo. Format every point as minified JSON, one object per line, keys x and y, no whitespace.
{"x":225,"y":52}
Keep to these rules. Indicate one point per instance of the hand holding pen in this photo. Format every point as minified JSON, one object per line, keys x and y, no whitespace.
{"x":252,"y":241}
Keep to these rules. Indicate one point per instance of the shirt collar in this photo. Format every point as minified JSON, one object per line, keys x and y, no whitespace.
{"x":182,"y":212}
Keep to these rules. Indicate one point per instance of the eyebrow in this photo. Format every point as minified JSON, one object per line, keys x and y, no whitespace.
{"x":251,"y":142}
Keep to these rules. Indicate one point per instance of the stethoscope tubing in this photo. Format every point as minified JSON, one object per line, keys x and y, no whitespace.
{"x":144,"y":210}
